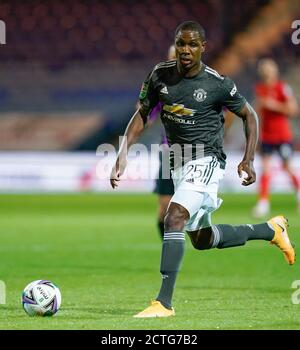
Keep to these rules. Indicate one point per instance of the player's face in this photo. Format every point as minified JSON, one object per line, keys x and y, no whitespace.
{"x":268,"y":70}
{"x":189,"y":47}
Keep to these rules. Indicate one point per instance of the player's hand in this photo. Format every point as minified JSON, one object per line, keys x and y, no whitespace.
{"x":117,"y":172}
{"x":247,"y":167}
{"x":271,"y":104}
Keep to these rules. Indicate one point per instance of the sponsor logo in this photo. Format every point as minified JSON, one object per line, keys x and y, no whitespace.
{"x":144,"y":91}
{"x":44,"y":294}
{"x":179,"y":110}
{"x":178,"y":120}
{"x":233,"y":90}
{"x":200,"y":95}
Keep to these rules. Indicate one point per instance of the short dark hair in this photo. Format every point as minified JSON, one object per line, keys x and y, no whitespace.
{"x":193,"y":26}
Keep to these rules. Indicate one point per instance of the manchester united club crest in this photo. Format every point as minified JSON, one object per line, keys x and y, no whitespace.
{"x":200,"y":95}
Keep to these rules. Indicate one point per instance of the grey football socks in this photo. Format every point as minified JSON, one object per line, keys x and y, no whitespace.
{"x":226,"y":236}
{"x":172,"y":254}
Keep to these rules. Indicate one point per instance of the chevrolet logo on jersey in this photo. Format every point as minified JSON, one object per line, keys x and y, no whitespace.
{"x":179,"y":110}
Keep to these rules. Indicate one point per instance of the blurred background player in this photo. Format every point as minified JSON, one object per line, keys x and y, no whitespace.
{"x":275,"y":103}
{"x":164,"y":188}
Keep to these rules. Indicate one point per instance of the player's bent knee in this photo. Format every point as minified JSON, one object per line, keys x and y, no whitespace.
{"x":201,"y":239}
{"x":197,"y":245}
{"x":176,"y":218}
{"x":200,"y":245}
{"x":174,"y":222}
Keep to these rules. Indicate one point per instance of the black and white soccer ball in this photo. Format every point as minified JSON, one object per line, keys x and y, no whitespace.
{"x":41,"y":298}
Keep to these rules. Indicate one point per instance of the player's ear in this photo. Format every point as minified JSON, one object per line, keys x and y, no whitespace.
{"x":203,"y":46}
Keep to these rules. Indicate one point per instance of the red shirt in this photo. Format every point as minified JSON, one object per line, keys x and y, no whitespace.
{"x":275,"y":128}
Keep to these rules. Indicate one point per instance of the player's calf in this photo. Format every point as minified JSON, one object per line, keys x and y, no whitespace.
{"x":202,"y":239}
{"x":172,"y":252}
{"x":226,"y":236}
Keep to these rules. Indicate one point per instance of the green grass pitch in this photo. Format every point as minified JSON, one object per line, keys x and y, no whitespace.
{"x":103,"y":251}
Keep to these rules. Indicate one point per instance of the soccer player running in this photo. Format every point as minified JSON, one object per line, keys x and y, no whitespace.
{"x":192,"y":116}
{"x":276,"y":103}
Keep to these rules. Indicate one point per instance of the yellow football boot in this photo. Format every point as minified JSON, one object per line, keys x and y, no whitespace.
{"x":156,"y":309}
{"x":281,"y":238}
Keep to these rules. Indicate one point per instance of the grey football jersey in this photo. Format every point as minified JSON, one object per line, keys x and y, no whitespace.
{"x":192,"y":108}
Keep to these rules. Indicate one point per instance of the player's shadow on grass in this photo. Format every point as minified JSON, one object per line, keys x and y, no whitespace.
{"x":94,"y":312}
{"x":268,"y":290}
{"x":82,"y":312}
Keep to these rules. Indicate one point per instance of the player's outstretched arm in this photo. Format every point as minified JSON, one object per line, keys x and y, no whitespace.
{"x":250,"y":120}
{"x":133,"y":130}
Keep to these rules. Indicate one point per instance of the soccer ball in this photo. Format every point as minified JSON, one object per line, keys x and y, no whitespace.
{"x":41,"y":298}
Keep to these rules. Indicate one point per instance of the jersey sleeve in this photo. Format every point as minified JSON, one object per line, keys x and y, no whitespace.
{"x":155,"y":113}
{"x":231,"y":98}
{"x":148,"y":96}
